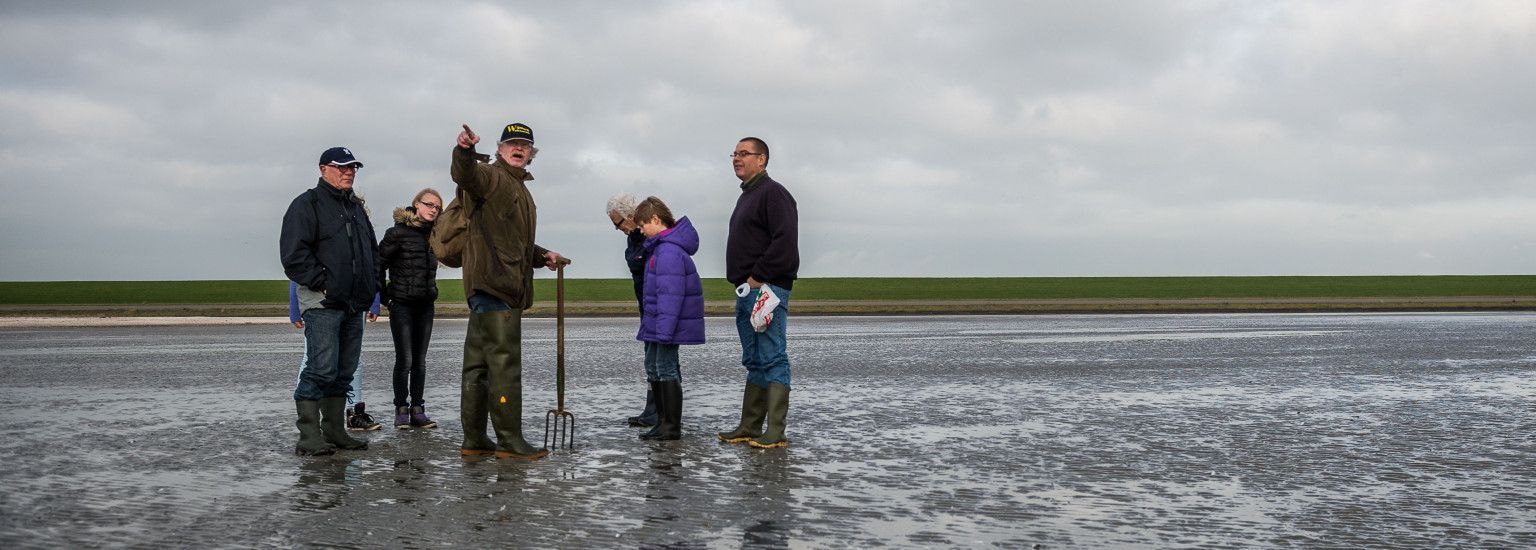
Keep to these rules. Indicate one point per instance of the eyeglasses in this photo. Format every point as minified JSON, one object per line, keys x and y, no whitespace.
{"x":346,"y":168}
{"x":431,"y":205}
{"x":619,"y":225}
{"x":742,"y":154}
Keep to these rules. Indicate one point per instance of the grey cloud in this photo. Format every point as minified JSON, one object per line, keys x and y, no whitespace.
{"x":988,"y":138}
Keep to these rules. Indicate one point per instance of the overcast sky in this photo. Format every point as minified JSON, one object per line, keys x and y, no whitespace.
{"x":145,"y":140}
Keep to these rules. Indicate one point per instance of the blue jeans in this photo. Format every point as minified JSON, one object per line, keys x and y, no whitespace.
{"x":765,"y":354}
{"x":485,"y":303}
{"x":661,"y":362}
{"x":333,"y":344}
{"x":357,"y":375}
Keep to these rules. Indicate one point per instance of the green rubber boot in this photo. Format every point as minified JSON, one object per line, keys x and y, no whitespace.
{"x":473,"y":392}
{"x":504,"y":353}
{"x":333,"y":424}
{"x":778,"y":410}
{"x":754,"y":405}
{"x":311,"y":441}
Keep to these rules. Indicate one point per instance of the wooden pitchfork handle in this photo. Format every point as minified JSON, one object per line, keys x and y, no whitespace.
{"x":560,"y":332}
{"x":559,"y":424}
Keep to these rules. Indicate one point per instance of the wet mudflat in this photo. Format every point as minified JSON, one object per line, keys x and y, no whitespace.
{"x":1359,"y":430}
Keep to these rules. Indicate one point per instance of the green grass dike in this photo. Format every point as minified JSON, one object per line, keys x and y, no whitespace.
{"x":848,"y":295}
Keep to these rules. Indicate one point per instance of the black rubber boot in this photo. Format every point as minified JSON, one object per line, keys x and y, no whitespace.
{"x":754,"y":405}
{"x":778,"y":411}
{"x":333,"y":424}
{"x":473,"y":393}
{"x":504,"y":353}
{"x":311,"y":441}
{"x":672,"y":423}
{"x":647,"y":417}
{"x":659,"y":429}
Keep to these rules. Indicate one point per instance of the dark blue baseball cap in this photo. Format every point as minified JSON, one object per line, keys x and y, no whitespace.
{"x":339,"y":156}
{"x":516,"y":130}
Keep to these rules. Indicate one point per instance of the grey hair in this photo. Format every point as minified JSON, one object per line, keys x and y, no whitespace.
{"x":622,"y":204}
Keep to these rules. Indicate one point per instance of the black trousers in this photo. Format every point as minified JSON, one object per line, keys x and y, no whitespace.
{"x":411,"y":325}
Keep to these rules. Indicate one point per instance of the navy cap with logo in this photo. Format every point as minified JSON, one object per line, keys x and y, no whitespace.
{"x":516,"y":130}
{"x":339,"y":156}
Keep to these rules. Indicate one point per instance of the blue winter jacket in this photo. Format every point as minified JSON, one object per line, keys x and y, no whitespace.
{"x":674,"y":296}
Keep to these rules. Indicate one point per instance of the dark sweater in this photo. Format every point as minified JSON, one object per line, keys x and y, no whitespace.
{"x":764,"y":241}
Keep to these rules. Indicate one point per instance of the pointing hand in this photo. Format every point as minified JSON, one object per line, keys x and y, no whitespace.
{"x":467,"y":138}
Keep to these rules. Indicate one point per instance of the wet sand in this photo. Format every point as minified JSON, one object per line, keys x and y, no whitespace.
{"x":180,"y":314}
{"x":1337,"y":430}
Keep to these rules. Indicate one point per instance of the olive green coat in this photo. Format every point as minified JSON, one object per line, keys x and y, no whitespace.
{"x":500,"y":256}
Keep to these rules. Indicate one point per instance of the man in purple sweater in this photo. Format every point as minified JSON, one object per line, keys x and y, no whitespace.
{"x":762,"y":252}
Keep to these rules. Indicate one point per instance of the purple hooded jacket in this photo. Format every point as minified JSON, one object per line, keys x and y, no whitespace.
{"x":674,"y":296}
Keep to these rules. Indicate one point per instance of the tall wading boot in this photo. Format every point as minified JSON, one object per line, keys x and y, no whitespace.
{"x":647,"y":416}
{"x":504,"y":354}
{"x":754,"y":405}
{"x":778,"y":410}
{"x":311,"y":441}
{"x":672,"y":426}
{"x":661,"y":413}
{"x":333,"y":424}
{"x":474,"y":395}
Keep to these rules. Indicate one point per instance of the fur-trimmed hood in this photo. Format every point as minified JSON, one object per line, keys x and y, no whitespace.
{"x":406,"y":215}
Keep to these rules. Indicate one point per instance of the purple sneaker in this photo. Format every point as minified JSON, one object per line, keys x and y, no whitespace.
{"x":419,"y":418}
{"x":402,"y":418}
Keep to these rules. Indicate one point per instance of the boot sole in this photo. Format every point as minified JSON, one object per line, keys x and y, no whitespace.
{"x":742,"y":439}
{"x":774,"y":445}
{"x":423,"y":426}
{"x":535,"y":456}
{"x":302,"y":452}
{"x":475,"y":452}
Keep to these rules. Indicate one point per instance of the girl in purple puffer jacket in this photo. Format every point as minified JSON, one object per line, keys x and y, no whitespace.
{"x":674,"y":309}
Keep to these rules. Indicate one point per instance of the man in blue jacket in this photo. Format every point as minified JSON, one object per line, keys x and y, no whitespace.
{"x":762,"y":252}
{"x":328,"y":248}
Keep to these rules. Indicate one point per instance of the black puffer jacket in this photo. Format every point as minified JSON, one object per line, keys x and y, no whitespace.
{"x":407,"y":261}
{"x":327,"y":245}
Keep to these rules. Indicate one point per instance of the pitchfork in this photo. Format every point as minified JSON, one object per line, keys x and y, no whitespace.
{"x":560,"y":424}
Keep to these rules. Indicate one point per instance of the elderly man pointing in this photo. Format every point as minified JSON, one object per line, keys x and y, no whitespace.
{"x":499,"y":258}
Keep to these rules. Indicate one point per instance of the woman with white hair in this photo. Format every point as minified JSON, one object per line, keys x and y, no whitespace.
{"x":621,"y":211}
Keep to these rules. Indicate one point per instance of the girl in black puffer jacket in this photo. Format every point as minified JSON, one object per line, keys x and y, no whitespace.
{"x":408,"y":265}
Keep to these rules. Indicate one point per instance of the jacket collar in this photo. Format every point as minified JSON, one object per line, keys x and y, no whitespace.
{"x":338,"y":194}
{"x":407,"y":216}
{"x":754,"y":181}
{"x":520,"y":173}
